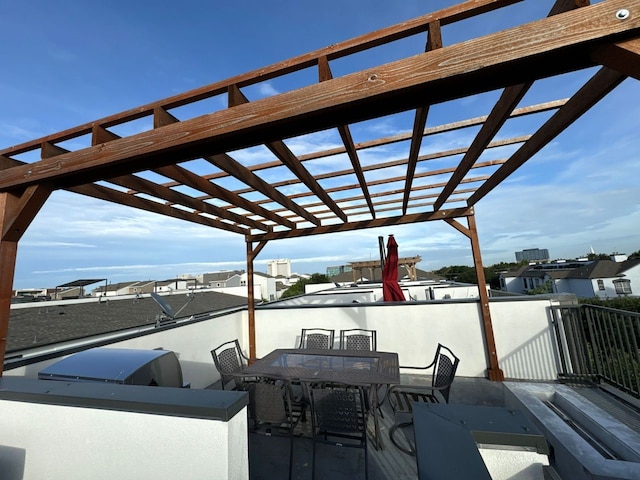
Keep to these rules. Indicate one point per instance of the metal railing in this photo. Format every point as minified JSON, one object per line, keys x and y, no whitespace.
{"x":600,"y":344}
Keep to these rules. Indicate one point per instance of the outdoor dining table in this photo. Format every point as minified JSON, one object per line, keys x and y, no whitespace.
{"x":351,"y":367}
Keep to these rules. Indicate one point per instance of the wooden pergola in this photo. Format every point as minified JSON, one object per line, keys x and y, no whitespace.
{"x":176,"y":166}
{"x":409,"y":264}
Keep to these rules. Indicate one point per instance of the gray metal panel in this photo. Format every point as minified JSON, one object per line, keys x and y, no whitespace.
{"x":118,"y":365}
{"x":445,"y":433}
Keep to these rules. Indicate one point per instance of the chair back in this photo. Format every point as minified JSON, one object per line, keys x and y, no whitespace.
{"x":316,"y":339}
{"x":358,"y":339}
{"x":338,"y":410}
{"x":270,"y":403}
{"x":228,"y":360}
{"x":444,"y":370}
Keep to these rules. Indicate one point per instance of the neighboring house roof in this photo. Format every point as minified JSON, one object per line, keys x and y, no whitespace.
{"x":424,"y":275}
{"x":113,"y":287}
{"x":344,"y":277}
{"x":260,"y":274}
{"x":31,"y":327}
{"x":597,"y":269}
{"x":584,"y":270}
{"x":515,"y":273}
{"x":221,"y":276}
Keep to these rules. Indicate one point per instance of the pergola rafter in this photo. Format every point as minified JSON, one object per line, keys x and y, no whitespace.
{"x":353,"y":185}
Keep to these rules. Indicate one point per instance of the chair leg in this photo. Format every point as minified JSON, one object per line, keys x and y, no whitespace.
{"x":366,"y":459}
{"x":313,"y":462}
{"x":291,"y":456}
{"x":409,"y":451}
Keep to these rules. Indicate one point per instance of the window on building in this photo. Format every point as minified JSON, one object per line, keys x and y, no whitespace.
{"x":623,"y":286}
{"x":600,"y":284}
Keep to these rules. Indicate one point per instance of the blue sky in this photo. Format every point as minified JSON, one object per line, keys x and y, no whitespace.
{"x":67,"y":63}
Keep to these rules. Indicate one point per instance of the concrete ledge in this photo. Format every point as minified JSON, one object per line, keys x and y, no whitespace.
{"x":573,"y":456}
{"x":178,"y":402}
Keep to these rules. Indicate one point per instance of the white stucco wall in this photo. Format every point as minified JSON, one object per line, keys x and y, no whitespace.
{"x":522,"y":329}
{"x":41,"y":441}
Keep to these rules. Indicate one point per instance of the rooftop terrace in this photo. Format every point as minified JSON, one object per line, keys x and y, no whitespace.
{"x":177,"y":166}
{"x":527,"y":342}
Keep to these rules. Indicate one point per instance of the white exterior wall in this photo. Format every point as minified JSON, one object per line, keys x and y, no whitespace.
{"x":580,"y":287}
{"x":82,"y":443}
{"x":241,"y":291}
{"x":522,"y":329}
{"x":266,"y":285}
{"x":524,"y":340}
{"x":514,"y":284}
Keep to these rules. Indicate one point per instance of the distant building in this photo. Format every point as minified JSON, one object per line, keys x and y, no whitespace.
{"x":334,"y":271}
{"x":279,"y":268}
{"x":533,"y":255}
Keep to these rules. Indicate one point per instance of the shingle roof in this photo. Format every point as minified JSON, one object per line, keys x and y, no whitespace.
{"x":46,"y":323}
{"x":597,"y":269}
{"x":213,"y":277}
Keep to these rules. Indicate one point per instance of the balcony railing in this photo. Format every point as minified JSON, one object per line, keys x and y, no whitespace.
{"x":600,"y":344}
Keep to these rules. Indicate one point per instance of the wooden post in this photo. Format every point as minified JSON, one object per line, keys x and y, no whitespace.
{"x":494,"y":373}
{"x":16,"y":213}
{"x":8,"y":251}
{"x":494,"y":370}
{"x":251,"y":304}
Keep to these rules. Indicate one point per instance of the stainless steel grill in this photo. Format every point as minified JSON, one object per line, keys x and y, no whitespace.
{"x":118,"y":365}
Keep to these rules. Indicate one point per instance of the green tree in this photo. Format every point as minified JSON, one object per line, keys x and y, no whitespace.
{"x":298,"y":287}
{"x":598,"y":256}
{"x":630,"y":304}
{"x":541,"y":289}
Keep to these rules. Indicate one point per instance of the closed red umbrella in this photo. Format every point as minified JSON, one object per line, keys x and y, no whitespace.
{"x":391,"y":290}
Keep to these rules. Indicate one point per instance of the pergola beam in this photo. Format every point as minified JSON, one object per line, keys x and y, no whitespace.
{"x":623,"y":57}
{"x":324,"y":73}
{"x":434,"y":40}
{"x":190,"y":179}
{"x":550,"y":46}
{"x":236,"y":169}
{"x":377,"y":222}
{"x":110,"y":195}
{"x":591,"y":93}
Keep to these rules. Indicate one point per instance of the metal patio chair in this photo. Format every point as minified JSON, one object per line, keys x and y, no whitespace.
{"x":339,"y":418}
{"x":316,"y":339}
{"x":230,"y":362}
{"x":358,"y":339}
{"x":444,"y":367}
{"x":272,"y":411}
{"x":363,"y":340}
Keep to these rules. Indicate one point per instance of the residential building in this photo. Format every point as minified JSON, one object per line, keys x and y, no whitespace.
{"x":584,"y":278}
{"x":533,"y":255}
{"x":266,"y":284}
{"x":229,"y":278}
